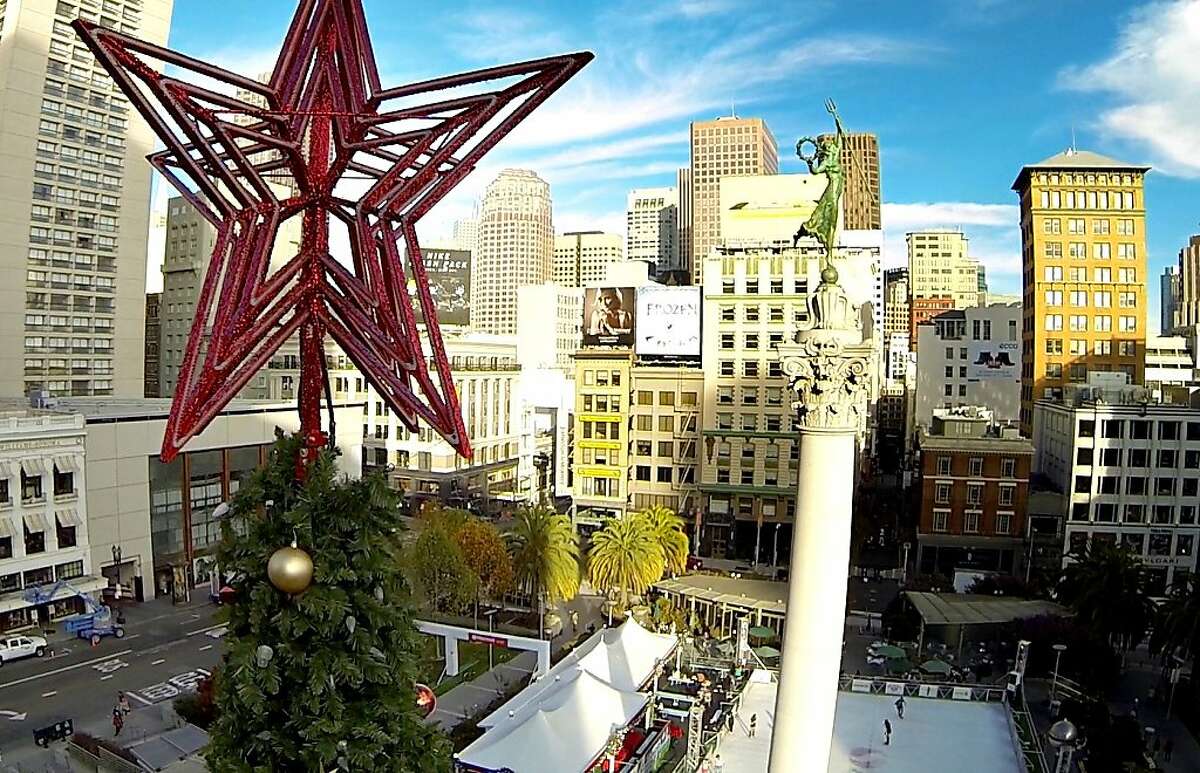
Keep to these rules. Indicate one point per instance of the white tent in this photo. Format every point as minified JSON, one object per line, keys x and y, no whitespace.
{"x":562,"y":732}
{"x":621,"y":657}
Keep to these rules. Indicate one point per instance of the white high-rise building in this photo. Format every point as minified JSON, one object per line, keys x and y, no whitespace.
{"x":515,"y":247}
{"x":582,"y":258}
{"x":938,"y":267}
{"x":545,"y":346}
{"x":74,"y":202}
{"x":466,"y":234}
{"x":652,"y":228}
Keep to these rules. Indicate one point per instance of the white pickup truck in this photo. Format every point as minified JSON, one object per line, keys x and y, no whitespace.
{"x":17,"y":647}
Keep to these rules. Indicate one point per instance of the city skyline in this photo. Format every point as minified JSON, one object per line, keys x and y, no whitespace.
{"x":625,"y":123}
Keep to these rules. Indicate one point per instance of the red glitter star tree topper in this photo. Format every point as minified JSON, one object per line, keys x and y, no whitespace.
{"x":325,"y":125}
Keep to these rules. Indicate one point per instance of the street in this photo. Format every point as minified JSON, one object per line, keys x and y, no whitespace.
{"x":166,"y":652}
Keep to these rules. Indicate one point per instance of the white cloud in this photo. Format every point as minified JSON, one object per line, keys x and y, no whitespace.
{"x":492,"y":35}
{"x":1154,"y":84}
{"x":579,"y":220}
{"x":948,"y":214}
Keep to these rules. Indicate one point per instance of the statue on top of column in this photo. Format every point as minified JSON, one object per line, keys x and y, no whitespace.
{"x":826,"y":159}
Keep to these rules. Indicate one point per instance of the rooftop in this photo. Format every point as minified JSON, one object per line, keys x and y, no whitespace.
{"x":1077,"y":159}
{"x":766,"y":595}
{"x":974,"y":609}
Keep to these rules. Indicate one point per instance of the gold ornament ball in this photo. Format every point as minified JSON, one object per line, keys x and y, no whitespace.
{"x":290,"y":570}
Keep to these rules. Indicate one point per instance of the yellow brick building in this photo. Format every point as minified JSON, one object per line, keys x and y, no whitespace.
{"x":1083,"y":249}
{"x":601,"y":463}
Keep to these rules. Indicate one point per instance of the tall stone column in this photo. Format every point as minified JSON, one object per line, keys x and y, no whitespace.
{"x":829,"y":367}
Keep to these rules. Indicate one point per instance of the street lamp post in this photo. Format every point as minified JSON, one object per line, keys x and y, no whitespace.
{"x":1059,"y":649}
{"x":1064,"y":737}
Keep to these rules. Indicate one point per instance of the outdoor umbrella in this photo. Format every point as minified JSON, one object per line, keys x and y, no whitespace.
{"x":936,"y":667}
{"x":898,"y":665}
{"x":762,"y":632}
{"x":766,"y":652}
{"x":890,"y":651}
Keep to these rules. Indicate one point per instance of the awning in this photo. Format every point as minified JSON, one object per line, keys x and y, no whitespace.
{"x":34,"y":467}
{"x":67,"y":463}
{"x":6,"y":528}
{"x":68,"y":517}
{"x":8,"y":469}
{"x":36,"y":522}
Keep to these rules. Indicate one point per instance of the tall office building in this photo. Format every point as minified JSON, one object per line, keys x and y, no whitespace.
{"x":683,"y":184}
{"x":1169,"y":291}
{"x":861,"y":207}
{"x":466,"y":233}
{"x":983,"y":286}
{"x":74,"y":203}
{"x":581,"y":258}
{"x":515,"y":247}
{"x":1189,"y":283}
{"x":895,"y":302}
{"x":938,"y":267}
{"x":1083,"y":250}
{"x":722,"y":147}
{"x":153,"y":345}
{"x":652,"y":228}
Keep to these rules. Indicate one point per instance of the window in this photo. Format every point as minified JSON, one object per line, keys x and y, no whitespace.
{"x":1055,"y":322}
{"x":1083,"y":456}
{"x":644,"y":424}
{"x":943,"y":465}
{"x":665,"y":424}
{"x":1003,"y":523}
{"x":1110,"y":457}
{"x":31,"y":487}
{"x":1103,"y":323}
{"x":1135,"y":485}
{"x":975,"y":466}
{"x":941,"y":520}
{"x":1079,"y":322}
{"x":1054,"y":346}
{"x":666,"y":398}
{"x":1113,"y":428}
{"x":1008,"y":467}
{"x":971,"y":522}
{"x":1053,"y":273}
{"x":1054,"y":297}
{"x":728,"y":313}
{"x":666,"y":448}
{"x":664,"y":474}
{"x":941,"y":493}
{"x":64,"y":483}
{"x":1168,"y":430}
{"x":1102,"y":299}
{"x":1184,"y":544}
{"x":752,"y":341}
{"x":1054,"y":370}
{"x":35,"y":541}
{"x":727,"y":340}
{"x":1087,"y":428}
{"x":974,"y":494}
{"x":1127,"y":324}
{"x":65,"y":534}
{"x":1006,"y":495}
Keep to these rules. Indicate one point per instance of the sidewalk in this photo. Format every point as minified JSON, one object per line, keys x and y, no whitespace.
{"x":137,"y":614}
{"x":467,"y":701}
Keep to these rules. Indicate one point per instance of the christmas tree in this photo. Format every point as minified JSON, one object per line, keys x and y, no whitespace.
{"x":321,"y":678}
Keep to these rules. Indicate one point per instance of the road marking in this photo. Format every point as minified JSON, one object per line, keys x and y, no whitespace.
{"x":140,"y":698}
{"x":50,"y":694}
{"x":206,"y":647}
{"x":106,"y":676}
{"x":207,"y":629}
{"x":13,"y":716}
{"x":109,"y":666}
{"x":64,"y":669}
{"x":159,"y":661}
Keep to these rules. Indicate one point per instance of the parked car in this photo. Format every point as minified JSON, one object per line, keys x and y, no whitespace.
{"x":17,"y":647}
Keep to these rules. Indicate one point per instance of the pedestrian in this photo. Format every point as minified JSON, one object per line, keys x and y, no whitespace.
{"x":753,"y":724}
{"x":574,"y":620}
{"x":1168,"y":749}
{"x":118,"y":720}
{"x":123,"y":703}
{"x":718,"y":764}
{"x":887,"y":733}
{"x":900,"y":707}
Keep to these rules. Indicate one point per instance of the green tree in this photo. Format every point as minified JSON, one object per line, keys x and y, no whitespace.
{"x":1177,"y":623}
{"x":487,"y":556}
{"x":625,"y":558}
{"x":1104,"y":585}
{"x":440,"y":571}
{"x":668,"y":531}
{"x":545,"y":554}
{"x":338,"y":660}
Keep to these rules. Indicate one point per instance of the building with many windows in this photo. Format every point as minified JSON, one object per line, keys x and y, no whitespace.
{"x":939,"y":267}
{"x":541,"y":345}
{"x":1083,"y":251}
{"x":43,"y":518}
{"x":1130,"y":471}
{"x":970,"y":357}
{"x":652,"y":228}
{"x":422,"y":465}
{"x":601,"y":463}
{"x":719,"y":148}
{"x":861,"y":202}
{"x":1170,"y":290}
{"x":76,"y":202}
{"x":153,"y":344}
{"x":974,"y":484}
{"x":514,"y":247}
{"x":895,"y":301}
{"x":754,"y":298}
{"x":582,"y":258}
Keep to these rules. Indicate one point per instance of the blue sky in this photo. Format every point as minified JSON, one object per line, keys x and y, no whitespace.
{"x":960,"y":92}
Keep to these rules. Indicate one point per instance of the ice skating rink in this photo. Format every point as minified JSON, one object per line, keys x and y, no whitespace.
{"x":935,"y":736}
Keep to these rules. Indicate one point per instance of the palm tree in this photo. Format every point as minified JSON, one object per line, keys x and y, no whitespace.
{"x":625,"y":557}
{"x":668,"y":530}
{"x":1177,"y":624}
{"x":1104,"y":585}
{"x":545,"y":555}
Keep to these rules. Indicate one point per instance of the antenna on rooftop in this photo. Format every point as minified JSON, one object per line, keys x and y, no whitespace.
{"x":732,"y":110}
{"x":1073,"y":148}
